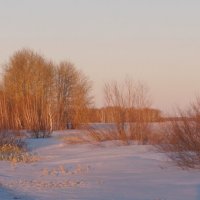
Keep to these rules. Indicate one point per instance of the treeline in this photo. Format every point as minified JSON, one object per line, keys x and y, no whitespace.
{"x":40,"y":96}
{"x":107,"y":114}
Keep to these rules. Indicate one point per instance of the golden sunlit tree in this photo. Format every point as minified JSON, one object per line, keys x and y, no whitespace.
{"x":72,"y":96}
{"x":40,"y":96}
{"x":29,"y":85}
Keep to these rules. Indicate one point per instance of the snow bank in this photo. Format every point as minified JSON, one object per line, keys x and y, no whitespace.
{"x":96,"y":172}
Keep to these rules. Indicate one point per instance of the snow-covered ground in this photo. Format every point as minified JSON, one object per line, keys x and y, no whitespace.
{"x":96,"y":172}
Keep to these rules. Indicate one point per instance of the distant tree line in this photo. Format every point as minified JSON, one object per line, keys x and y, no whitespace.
{"x":106,"y":114}
{"x":40,"y":96}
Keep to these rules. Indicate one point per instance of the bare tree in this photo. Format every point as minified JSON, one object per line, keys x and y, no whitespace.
{"x":125,"y":99}
{"x":28,"y":83}
{"x":73,"y":96}
{"x":66,"y":78}
{"x":82,"y":100}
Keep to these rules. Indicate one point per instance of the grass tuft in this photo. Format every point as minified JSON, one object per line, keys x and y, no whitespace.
{"x":13,"y":148}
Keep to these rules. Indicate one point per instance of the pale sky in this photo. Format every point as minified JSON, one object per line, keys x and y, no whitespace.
{"x":155,"y":41}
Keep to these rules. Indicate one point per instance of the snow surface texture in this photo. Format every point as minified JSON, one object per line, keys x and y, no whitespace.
{"x":96,"y":172}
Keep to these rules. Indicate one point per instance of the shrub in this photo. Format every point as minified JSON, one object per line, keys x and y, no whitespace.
{"x":13,"y":148}
{"x":182,"y":138}
{"x":128,"y":104}
{"x":40,"y":134}
{"x":11,"y":138}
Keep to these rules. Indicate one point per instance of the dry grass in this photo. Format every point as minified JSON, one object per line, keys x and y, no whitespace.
{"x":127,"y":137}
{"x":77,"y":139}
{"x":15,"y":154}
{"x":98,"y":134}
{"x":104,"y":135}
{"x":12,"y":148}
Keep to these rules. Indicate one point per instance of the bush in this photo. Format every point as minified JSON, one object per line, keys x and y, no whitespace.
{"x":11,"y":138}
{"x":182,"y":138}
{"x":40,"y":134}
{"x":13,"y":148}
